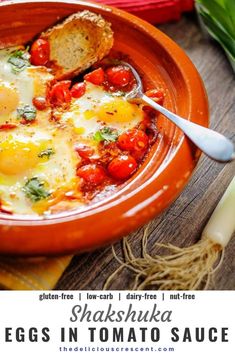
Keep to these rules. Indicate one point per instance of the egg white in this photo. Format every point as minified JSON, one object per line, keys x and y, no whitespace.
{"x":21,"y":81}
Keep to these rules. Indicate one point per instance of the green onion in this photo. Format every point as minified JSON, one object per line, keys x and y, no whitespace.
{"x":218,"y":17}
{"x":221,"y":225}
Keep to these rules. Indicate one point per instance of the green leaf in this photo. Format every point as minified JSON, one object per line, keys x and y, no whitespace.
{"x":219,"y":19}
{"x":27,"y":112}
{"x":34,"y":190}
{"x":19,"y":60}
{"x":46,"y":153}
{"x":218,"y":33}
{"x":220,"y":2}
{"x":217,"y":12}
{"x":230,"y":6}
{"x":105,"y":134}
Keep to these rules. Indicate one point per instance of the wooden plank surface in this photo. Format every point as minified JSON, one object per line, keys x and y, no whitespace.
{"x":183,"y":222}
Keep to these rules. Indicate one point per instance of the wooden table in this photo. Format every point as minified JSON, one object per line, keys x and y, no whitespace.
{"x":183,"y":222}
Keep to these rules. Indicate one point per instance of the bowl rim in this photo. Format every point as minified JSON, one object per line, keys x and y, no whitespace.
{"x":190,"y":76}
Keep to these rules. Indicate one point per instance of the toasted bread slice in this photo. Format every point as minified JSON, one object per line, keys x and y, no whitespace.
{"x":77,"y":43}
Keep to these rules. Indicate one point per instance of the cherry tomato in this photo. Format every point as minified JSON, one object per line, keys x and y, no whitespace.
{"x":40,"y":103}
{"x":96,"y":77}
{"x":119,"y":76}
{"x":60,"y":93}
{"x":84,"y":151}
{"x":122,"y":167}
{"x":5,"y":209}
{"x":158,"y":97}
{"x":92,"y":174}
{"x":40,"y":52}
{"x":78,"y":90}
{"x":7,"y":126}
{"x":135,"y":141}
{"x":156,"y":94}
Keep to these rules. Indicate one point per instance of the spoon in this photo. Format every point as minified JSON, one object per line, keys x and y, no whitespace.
{"x":213,"y":144}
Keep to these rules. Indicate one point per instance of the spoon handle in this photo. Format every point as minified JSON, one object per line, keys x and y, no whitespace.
{"x":213,"y":144}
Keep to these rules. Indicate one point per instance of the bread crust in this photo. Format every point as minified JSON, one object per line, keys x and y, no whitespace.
{"x":78,"y":42}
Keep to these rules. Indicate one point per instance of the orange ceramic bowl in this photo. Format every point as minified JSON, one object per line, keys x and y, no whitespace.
{"x":170,"y":162}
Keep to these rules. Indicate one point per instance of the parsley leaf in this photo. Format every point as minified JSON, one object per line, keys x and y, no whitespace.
{"x":27,"y":112}
{"x":105,"y":134}
{"x":46,"y":153}
{"x":19,"y":60}
{"x":34,"y":190}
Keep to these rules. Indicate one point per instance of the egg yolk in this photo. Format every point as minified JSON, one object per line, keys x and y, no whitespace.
{"x":118,"y":110}
{"x":18,"y":156}
{"x":9,"y":100}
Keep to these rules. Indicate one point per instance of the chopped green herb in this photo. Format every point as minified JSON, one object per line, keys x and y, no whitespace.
{"x":46,"y":153}
{"x":116,"y":94}
{"x":119,"y":94}
{"x":105,"y":134}
{"x":34,"y":190}
{"x":27,"y":112}
{"x":19,"y":60}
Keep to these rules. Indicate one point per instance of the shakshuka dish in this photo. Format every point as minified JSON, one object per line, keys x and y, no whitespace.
{"x":68,"y":135}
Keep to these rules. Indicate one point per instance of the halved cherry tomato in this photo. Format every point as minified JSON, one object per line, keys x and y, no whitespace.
{"x":122,"y":167}
{"x":40,"y":52}
{"x":96,"y":77}
{"x":119,"y":76}
{"x":60,"y":93}
{"x":92,"y":174}
{"x":135,"y":141}
{"x":156,"y":94}
{"x":84,"y":151}
{"x":5,"y":209}
{"x":40,"y":103}
{"x":8,"y":126}
{"x":78,"y":90}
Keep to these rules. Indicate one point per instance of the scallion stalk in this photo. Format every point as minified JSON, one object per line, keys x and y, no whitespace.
{"x":218,"y":17}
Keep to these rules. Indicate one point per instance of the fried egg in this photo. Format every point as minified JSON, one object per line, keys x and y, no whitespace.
{"x":22,"y":158}
{"x":98,"y":108}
